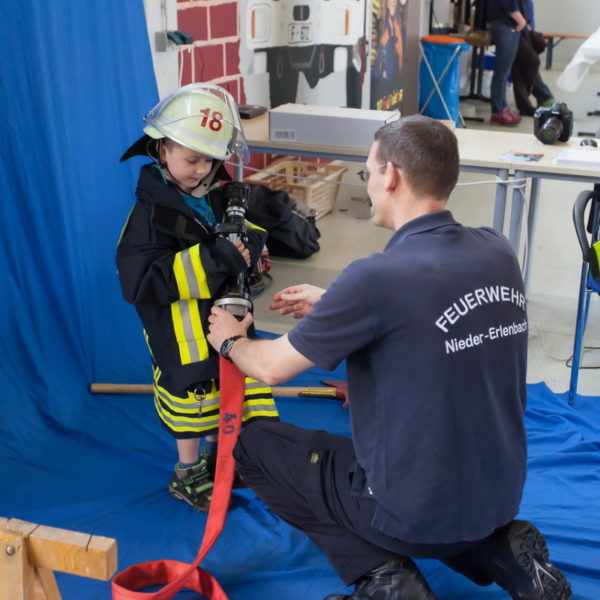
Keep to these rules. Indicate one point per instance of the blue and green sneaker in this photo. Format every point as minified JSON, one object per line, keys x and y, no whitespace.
{"x":192,"y":485}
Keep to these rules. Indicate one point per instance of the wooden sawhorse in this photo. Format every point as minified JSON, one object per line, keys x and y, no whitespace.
{"x":30,"y":553}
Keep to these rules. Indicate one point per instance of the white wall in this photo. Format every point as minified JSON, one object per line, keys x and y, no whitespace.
{"x":552,"y":16}
{"x":162,"y":15}
{"x":572,"y":16}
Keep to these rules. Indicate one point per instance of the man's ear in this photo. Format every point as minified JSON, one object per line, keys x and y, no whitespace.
{"x":392,"y":177}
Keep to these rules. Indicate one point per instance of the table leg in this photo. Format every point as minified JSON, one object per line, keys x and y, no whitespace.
{"x":516,"y":214}
{"x":534,"y":194}
{"x":549,"y":53}
{"x":476,"y":78}
{"x":500,"y":203}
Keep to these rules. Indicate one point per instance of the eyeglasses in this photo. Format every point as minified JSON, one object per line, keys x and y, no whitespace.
{"x":365,"y":173}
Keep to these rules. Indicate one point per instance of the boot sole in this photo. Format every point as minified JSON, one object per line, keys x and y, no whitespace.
{"x":531,"y":554}
{"x":178,"y":496}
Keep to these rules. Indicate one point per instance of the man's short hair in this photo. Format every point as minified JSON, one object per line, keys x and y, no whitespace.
{"x":425,"y":149}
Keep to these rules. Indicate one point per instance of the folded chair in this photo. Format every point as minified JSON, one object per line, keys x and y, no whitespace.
{"x":588,"y":234}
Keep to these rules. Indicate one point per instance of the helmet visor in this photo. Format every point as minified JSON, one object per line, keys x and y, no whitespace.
{"x":203,"y":117}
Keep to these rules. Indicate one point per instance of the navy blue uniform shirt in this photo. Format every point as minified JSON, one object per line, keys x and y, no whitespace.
{"x":499,"y":10}
{"x":434,"y":330}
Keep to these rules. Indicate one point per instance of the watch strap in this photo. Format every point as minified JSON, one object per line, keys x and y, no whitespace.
{"x":227,"y":345}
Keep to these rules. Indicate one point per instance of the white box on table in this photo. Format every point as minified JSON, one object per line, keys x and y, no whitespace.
{"x":327,"y":125}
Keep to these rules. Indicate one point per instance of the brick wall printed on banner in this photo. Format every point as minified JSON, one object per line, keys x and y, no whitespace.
{"x":214,"y":55}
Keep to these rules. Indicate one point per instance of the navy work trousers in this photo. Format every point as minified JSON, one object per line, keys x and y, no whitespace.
{"x":305,"y":477}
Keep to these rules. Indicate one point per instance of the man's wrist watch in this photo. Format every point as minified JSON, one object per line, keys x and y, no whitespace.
{"x":227,"y":345}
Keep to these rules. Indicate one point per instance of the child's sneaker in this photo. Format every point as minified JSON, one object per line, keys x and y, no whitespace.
{"x":505,"y":117}
{"x":193,"y":485}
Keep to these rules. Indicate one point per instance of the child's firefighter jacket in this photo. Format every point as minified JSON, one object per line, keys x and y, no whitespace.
{"x":171,"y":267}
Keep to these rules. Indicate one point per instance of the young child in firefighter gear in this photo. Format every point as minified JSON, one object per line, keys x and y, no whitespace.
{"x":172,"y":267}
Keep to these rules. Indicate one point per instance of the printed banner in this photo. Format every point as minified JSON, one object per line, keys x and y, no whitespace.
{"x":387,"y":51}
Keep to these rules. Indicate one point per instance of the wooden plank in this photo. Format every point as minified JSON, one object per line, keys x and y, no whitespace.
{"x":574,"y":36}
{"x":47,"y":584}
{"x":66,"y":551}
{"x":283,"y":391}
{"x":14,"y":569}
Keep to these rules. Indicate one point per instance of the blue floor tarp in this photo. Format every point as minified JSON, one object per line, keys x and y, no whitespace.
{"x":108,"y":476}
{"x":75,"y":80}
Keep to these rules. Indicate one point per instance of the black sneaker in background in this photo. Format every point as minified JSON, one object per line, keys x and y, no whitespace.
{"x":516,"y":557}
{"x":397,"y":579}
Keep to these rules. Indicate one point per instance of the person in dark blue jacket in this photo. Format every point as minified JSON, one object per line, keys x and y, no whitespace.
{"x":505,"y":21}
{"x":434,"y":333}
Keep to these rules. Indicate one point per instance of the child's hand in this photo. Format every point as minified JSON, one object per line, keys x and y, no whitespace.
{"x":243,"y":251}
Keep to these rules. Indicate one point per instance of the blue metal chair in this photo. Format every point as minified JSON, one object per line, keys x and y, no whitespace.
{"x":588,"y":235}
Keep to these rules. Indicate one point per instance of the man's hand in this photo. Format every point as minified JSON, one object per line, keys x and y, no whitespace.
{"x":519,"y":19}
{"x":297,"y":300}
{"x":223,"y":325}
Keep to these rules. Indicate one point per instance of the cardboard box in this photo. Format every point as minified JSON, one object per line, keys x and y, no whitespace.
{"x":327,"y":125}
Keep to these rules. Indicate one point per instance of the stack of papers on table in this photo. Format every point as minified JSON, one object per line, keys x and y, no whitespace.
{"x":585,"y":158}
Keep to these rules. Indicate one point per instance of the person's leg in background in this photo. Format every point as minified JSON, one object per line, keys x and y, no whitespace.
{"x":524,"y":70}
{"x":506,"y":41}
{"x":541,"y":91}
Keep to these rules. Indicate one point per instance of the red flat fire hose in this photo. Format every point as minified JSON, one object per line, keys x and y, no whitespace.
{"x":175,"y":575}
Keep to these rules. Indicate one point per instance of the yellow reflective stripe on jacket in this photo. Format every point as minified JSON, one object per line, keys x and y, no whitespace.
{"x":125,"y":225}
{"x":180,"y":423}
{"x":185,"y":414}
{"x":199,"y":423}
{"x":190,"y":275}
{"x":253,"y":226}
{"x":189,"y":334}
{"x":211,"y":398}
{"x":147,"y":340}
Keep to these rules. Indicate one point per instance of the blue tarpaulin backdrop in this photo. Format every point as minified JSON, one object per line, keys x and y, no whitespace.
{"x":75,"y":79}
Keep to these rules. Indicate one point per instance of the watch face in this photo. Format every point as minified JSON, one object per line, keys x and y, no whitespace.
{"x":227,"y":345}
{"x":225,"y":348}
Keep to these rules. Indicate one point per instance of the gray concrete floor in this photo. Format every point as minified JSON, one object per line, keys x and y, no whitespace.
{"x":554,"y":278}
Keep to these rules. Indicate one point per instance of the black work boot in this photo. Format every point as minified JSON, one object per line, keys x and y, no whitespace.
{"x":397,"y":579}
{"x":517,"y":559}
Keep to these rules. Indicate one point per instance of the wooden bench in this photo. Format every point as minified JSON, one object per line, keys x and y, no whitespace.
{"x":559,"y":37}
{"x":30,"y":553}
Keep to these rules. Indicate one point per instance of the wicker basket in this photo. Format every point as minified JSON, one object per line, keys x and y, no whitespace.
{"x":320,"y":195}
